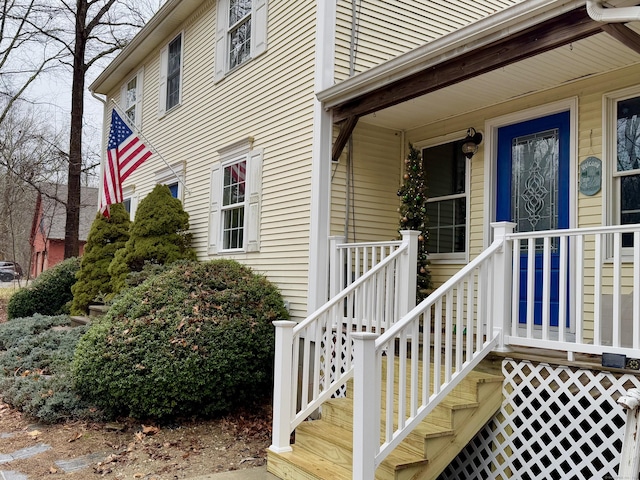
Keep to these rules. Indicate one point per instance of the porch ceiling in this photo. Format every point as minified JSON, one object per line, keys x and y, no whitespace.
{"x":590,"y":56}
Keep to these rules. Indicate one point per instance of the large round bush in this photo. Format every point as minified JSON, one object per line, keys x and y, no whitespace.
{"x":196,"y":339}
{"x":49,"y":294}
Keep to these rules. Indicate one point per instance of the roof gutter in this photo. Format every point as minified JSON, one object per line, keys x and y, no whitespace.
{"x":153,"y":23}
{"x":475,"y":35}
{"x":612,"y":15}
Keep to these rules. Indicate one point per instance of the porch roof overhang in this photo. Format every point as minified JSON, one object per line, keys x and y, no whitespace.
{"x":532,"y":46}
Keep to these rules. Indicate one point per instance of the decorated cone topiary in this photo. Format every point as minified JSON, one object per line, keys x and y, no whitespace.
{"x":413,"y":216}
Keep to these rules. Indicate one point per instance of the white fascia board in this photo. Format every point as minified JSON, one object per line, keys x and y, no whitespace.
{"x":169,"y":18}
{"x":471,"y":37}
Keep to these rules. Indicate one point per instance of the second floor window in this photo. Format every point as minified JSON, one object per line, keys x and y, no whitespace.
{"x":131,"y":99}
{"x":241,"y":33}
{"x":171,"y":58}
{"x":173,"y":72}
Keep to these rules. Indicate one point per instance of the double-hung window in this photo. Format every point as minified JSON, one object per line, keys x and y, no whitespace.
{"x":233,"y":204}
{"x":131,"y":99}
{"x":171,"y":75}
{"x":236,"y":183}
{"x":445,"y":170}
{"x":624,"y":149}
{"x":241,"y":33}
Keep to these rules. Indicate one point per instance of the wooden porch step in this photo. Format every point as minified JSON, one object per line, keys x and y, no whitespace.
{"x":301,"y":464}
{"x":423,"y":455}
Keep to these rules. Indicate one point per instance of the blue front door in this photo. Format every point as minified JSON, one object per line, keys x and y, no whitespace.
{"x":533,"y":192}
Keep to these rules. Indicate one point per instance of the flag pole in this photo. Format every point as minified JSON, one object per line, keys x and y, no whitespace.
{"x":126,"y":119}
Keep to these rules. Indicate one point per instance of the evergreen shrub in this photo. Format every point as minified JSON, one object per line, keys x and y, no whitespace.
{"x":49,"y":294}
{"x":197,"y":339}
{"x":35,"y":369}
{"x":106,"y":237}
{"x":159,"y":234}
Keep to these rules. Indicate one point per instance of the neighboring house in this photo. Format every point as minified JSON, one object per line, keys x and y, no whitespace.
{"x":49,"y":219}
{"x":286,"y":124}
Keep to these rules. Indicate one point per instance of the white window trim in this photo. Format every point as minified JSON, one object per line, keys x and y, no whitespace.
{"x":164,"y":66}
{"x":171,"y":174}
{"x":457,"y":257}
{"x":251,"y":235}
{"x":611,"y":194}
{"x":259,"y":16}
{"x":139,"y":76}
{"x":129,"y":193}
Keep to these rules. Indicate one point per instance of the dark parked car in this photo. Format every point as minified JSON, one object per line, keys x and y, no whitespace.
{"x":10,"y":271}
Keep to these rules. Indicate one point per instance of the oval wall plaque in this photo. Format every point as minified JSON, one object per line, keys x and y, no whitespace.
{"x":590,"y":176}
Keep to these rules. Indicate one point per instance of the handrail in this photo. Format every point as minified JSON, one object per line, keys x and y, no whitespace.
{"x":439,"y":292}
{"x":350,"y":289}
{"x":422,"y":379}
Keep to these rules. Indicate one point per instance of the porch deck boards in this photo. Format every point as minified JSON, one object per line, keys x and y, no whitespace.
{"x":422,"y":455}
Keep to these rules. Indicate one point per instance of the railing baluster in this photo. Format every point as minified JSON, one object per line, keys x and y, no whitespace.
{"x":546,"y":287}
{"x":402,"y":379}
{"x":579,"y":286}
{"x":391,"y":352}
{"x":531,"y":285}
{"x":471,"y":290}
{"x":448,"y":339}
{"x":459,"y":324}
{"x":437,"y":345}
{"x":415,"y":351}
{"x":426,"y":355}
{"x":481,"y":302}
{"x":305,"y":371}
{"x":617,"y":314}
{"x":562,"y":294}
{"x":515,"y":289}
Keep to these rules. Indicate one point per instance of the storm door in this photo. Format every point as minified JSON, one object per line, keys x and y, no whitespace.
{"x":533,"y":192}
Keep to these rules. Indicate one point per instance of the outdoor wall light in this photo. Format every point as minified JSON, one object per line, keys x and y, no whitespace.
{"x":471,"y":142}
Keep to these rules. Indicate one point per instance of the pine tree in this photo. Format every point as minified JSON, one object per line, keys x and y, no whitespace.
{"x":413,"y":216}
{"x":106,"y":237}
{"x":159,"y":235}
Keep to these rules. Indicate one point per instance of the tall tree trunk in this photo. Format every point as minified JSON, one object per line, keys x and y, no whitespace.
{"x":71,"y":233}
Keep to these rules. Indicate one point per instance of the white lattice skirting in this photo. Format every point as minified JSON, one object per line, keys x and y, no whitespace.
{"x":555,"y":423}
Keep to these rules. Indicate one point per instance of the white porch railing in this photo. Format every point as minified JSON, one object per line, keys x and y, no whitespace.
{"x":591,"y":275}
{"x":597,"y":286}
{"x":314,"y":358}
{"x":429,"y":351}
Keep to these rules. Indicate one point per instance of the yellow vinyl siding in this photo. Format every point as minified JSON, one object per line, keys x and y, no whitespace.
{"x":376,"y":178}
{"x":385,"y":30}
{"x":270,"y":98}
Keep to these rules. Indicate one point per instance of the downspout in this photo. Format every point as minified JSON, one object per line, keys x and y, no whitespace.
{"x":350,"y":192}
{"x":612,"y":15}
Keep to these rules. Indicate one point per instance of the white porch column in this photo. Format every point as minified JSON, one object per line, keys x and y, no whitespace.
{"x":282,"y":387}
{"x":630,"y":461}
{"x":366,"y":428}
{"x":502,"y":285}
{"x":407,"y":280}
{"x":321,"y":159}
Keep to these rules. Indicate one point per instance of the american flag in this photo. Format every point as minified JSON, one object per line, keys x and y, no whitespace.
{"x":125,"y":153}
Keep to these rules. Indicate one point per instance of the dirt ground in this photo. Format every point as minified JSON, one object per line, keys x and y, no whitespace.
{"x":130,"y":450}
